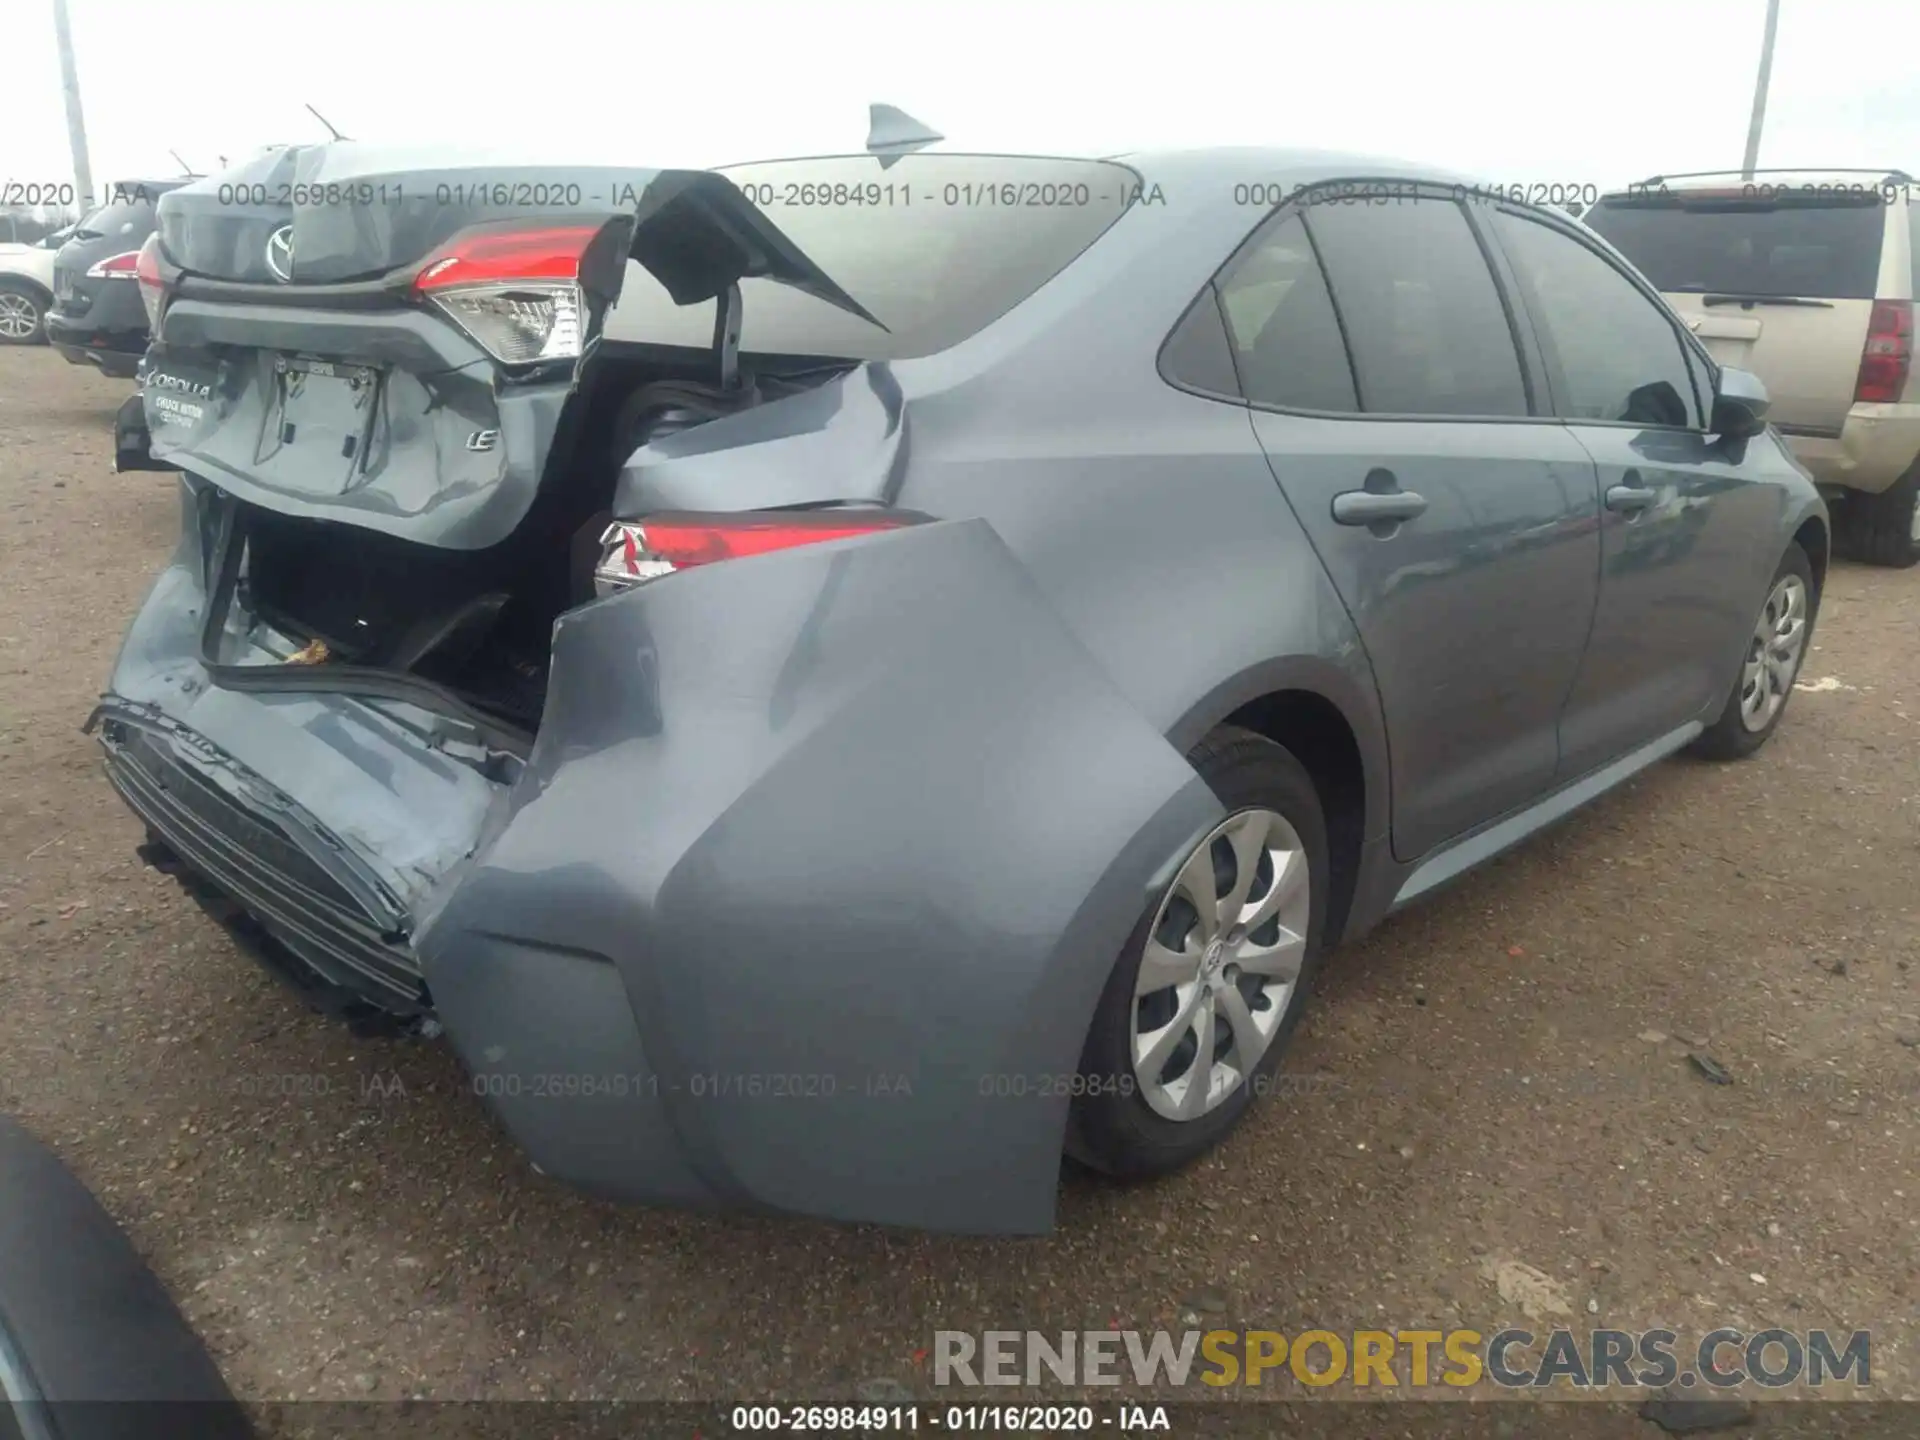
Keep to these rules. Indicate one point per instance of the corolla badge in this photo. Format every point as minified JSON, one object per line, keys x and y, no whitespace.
{"x":280,"y":254}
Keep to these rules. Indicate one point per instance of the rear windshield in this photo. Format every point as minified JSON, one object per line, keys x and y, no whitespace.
{"x":128,"y":215}
{"x":935,"y":246}
{"x":1742,"y":247}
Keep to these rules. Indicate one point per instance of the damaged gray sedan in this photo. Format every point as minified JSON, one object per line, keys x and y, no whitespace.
{"x":838,"y":682}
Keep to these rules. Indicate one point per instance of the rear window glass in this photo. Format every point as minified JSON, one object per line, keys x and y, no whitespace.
{"x":936,"y":246}
{"x":129,"y":213}
{"x":1738,"y":247}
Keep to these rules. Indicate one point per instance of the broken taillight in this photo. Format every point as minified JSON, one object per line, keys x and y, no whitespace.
{"x":515,"y":291}
{"x":146,"y":269}
{"x":634,"y":551}
{"x":1888,"y":354}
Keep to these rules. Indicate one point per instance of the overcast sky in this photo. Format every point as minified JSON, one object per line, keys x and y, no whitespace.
{"x":1596,"y":91}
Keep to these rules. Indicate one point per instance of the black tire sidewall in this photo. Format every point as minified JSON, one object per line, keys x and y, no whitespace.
{"x":1112,"y":1127}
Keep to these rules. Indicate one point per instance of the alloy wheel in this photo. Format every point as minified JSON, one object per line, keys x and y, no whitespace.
{"x":1221,"y":965}
{"x":1774,"y":653}
{"x":19,"y":316}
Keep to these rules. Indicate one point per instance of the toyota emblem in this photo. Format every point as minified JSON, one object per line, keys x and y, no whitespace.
{"x":280,"y":254}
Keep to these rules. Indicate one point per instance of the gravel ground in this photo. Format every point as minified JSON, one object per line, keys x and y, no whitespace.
{"x":1504,"y":1075}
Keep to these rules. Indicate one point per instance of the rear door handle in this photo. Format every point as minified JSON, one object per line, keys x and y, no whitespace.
{"x":1383,"y":502}
{"x":1631,"y":499}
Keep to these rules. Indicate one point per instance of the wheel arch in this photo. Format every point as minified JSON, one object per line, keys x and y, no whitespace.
{"x":1814,"y":537}
{"x":12,"y":280}
{"x":1330,"y":721}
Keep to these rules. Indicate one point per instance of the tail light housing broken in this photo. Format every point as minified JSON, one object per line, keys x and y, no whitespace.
{"x":516,"y":291}
{"x":635,"y":551}
{"x":1887,"y":358}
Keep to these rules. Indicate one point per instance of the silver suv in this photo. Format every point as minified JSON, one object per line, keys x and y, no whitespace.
{"x":1808,"y":279}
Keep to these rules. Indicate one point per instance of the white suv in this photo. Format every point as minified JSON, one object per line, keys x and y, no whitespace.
{"x":26,"y":290}
{"x":1808,"y":279}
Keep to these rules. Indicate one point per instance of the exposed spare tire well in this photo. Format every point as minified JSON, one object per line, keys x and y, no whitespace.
{"x":476,"y":624}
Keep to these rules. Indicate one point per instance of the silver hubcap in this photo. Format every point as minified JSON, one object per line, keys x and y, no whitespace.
{"x":1773,"y":655}
{"x":19,"y":316}
{"x":1913,"y":520}
{"x":1222,"y":964}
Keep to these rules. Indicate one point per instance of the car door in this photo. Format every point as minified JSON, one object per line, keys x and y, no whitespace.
{"x":1387,"y":389}
{"x":1686,"y":539}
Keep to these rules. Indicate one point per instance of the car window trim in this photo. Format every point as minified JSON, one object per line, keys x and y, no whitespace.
{"x":1211,"y":293}
{"x":1527,"y":345}
{"x":1687,"y":341}
{"x":1295,"y":204}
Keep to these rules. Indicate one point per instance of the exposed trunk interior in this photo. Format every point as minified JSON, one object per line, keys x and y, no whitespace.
{"x":479,"y":622}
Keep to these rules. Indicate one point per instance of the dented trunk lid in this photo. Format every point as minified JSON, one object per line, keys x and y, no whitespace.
{"x":302,"y":364}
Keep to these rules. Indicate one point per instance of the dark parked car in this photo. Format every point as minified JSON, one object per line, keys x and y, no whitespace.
{"x":91,"y":1345}
{"x":97,"y":318}
{"x":836,"y":683}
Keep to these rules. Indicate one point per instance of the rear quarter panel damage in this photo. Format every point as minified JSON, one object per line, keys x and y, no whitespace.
{"x":1000,"y":815}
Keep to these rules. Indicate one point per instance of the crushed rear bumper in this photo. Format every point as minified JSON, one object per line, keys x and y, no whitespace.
{"x":801,"y":901}
{"x":260,"y":854}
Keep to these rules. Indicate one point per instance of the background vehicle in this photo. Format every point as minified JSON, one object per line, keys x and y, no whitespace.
{"x":91,"y":1345}
{"x":1808,"y":279}
{"x":97,"y":318}
{"x":829,"y":701}
{"x":26,"y":292}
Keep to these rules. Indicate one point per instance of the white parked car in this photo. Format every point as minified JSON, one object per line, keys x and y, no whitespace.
{"x":26,"y":290}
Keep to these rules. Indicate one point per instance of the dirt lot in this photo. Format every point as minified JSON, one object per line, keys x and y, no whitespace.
{"x":1506,"y":1075}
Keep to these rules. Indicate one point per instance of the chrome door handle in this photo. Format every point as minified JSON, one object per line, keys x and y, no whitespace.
{"x":1365,"y":507}
{"x":1631,"y":498}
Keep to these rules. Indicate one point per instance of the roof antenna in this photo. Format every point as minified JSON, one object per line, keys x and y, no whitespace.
{"x":892,"y":133}
{"x":185,"y":169}
{"x":326,"y":122}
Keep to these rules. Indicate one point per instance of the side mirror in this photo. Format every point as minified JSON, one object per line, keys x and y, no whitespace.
{"x":1740,"y":405}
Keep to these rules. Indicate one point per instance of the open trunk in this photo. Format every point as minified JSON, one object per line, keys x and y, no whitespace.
{"x":395,"y":379}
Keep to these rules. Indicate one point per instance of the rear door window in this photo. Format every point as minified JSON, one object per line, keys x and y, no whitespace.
{"x":1284,"y":336}
{"x":1422,"y":318}
{"x":1749,"y":244}
{"x":1613,"y":353}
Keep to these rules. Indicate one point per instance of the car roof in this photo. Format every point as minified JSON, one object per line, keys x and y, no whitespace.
{"x":1247,"y":163}
{"x":1236,"y":164}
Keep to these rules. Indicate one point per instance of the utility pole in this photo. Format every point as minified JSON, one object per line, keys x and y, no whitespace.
{"x":1760,"y":91}
{"x":76,"y":123}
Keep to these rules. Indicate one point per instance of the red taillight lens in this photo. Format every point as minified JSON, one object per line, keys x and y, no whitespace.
{"x":146,"y":269}
{"x":639,"y":550}
{"x":1888,"y":355}
{"x":517,"y":292}
{"x":550,"y":252}
{"x":115,"y":267}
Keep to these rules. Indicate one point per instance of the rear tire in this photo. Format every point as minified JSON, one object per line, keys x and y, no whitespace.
{"x":1765,"y":683}
{"x":1884,"y":529}
{"x":23,"y":314}
{"x":1121,"y":1122}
